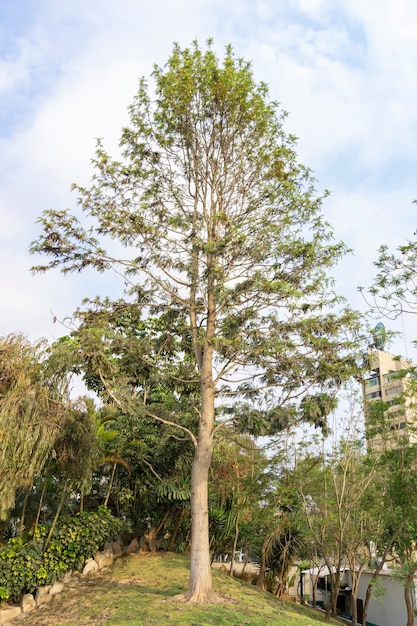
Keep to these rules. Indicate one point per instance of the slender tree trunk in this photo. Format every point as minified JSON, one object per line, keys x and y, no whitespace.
{"x":176,"y":529}
{"x":246,"y":561}
{"x":24,"y":505}
{"x":106,"y":501}
{"x":331,"y":606}
{"x":374,"y":576}
{"x":354,"y":608}
{"x":262,"y":566}
{"x":232,"y":562}
{"x":355,"y":575}
{"x":55,"y":520}
{"x":313,"y":591}
{"x":409,"y":602}
{"x":38,"y":514}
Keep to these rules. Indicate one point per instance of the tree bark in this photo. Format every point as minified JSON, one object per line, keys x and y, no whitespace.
{"x":56,"y":516}
{"x":200,"y":587}
{"x":374,"y":576}
{"x":232,"y":562}
{"x":106,"y":501}
{"x":173,"y":537}
{"x":408,"y":602}
{"x":262,"y":566}
{"x":334,"y":592}
{"x":24,"y":505}
{"x":38,"y":514}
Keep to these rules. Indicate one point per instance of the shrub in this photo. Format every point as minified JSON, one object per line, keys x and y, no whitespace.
{"x":26,"y":565}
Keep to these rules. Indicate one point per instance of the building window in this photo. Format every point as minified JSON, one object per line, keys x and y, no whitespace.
{"x":374,"y":394}
{"x":394,"y":402}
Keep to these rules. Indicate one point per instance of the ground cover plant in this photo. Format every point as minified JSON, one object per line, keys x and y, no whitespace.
{"x":137,"y":590}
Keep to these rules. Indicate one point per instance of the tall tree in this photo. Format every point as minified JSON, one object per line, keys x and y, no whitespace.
{"x":221,"y":224}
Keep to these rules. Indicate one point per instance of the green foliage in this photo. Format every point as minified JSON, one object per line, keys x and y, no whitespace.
{"x":209,"y":195}
{"x":25,"y":565}
{"x":4,"y":595}
{"x":33,"y":408}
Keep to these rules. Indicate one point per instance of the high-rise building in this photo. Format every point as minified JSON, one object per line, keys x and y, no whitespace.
{"x":389,"y":379}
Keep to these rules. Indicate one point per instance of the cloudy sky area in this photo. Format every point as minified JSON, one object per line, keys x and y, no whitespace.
{"x":345,"y":70}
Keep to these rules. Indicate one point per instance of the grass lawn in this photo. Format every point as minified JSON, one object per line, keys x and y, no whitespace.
{"x":137,"y":590}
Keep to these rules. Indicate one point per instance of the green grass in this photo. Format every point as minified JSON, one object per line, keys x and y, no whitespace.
{"x":137,"y":590}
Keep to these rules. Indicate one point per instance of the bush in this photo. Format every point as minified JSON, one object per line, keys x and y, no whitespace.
{"x":26,"y":565}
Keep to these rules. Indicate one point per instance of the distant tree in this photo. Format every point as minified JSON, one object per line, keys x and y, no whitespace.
{"x":337,"y":490}
{"x":237,"y":486}
{"x":394,"y":289}
{"x":400,"y":514}
{"x":223,"y":227}
{"x":34,"y":407}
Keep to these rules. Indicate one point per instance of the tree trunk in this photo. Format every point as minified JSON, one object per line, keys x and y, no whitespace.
{"x":57,"y":514}
{"x":262,"y":566}
{"x":106,"y":501}
{"x":22,"y":515}
{"x":331,"y":606}
{"x":354,"y":608}
{"x":374,"y":576}
{"x":200,"y":585}
{"x":408,"y":602}
{"x":38,"y":514}
{"x":176,"y":529}
{"x":355,"y":575}
{"x":232,"y":562}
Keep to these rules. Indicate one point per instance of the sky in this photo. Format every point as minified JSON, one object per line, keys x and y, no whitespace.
{"x":344,"y":70}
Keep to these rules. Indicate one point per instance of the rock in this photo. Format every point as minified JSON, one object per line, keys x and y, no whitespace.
{"x":56,"y":588}
{"x":117,"y":549}
{"x":103,"y":559}
{"x":90,"y":567}
{"x":132,"y":547}
{"x":42,"y":595}
{"x":148,"y":541}
{"x":28,"y":603}
{"x":67,"y":577}
{"x":7,"y":615}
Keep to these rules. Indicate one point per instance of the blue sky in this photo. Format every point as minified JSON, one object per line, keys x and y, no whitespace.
{"x":345,"y":70}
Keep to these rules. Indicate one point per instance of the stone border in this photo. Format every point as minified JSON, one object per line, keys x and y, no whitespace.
{"x":104,"y":558}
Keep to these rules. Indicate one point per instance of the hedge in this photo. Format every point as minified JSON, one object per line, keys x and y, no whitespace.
{"x":25,"y":565}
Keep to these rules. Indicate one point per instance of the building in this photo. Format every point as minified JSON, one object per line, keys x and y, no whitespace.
{"x":387,"y":608}
{"x":389,"y":379}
